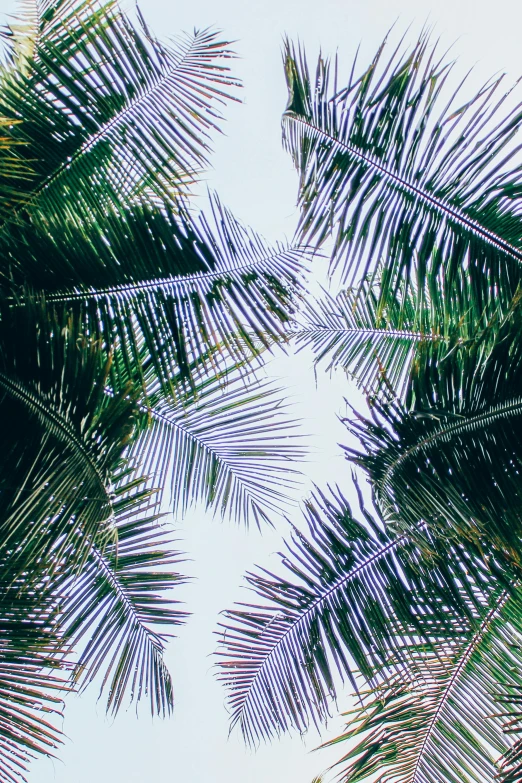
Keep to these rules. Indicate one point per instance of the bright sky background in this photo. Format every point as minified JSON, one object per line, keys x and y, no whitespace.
{"x":255,"y":178}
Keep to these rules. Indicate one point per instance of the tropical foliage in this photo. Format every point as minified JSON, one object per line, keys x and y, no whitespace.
{"x":415,"y":601}
{"x":128,"y":327}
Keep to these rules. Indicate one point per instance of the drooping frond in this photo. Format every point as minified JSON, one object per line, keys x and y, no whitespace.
{"x":230,"y":445}
{"x":401,"y":171}
{"x":30,"y":660}
{"x":27,"y":705}
{"x":116,"y":614}
{"x":451,"y":454}
{"x":62,"y":436}
{"x":354,"y":597}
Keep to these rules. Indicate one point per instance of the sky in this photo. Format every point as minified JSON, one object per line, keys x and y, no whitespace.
{"x":255,"y":178}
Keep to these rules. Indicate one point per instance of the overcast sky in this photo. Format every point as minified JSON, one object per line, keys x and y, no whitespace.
{"x":255,"y":178}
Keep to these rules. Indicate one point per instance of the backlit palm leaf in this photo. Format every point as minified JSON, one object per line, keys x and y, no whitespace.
{"x":229,"y":445}
{"x":62,"y":436}
{"x":30,"y":659}
{"x":355,"y":596}
{"x":442,"y":724}
{"x":186,"y":290}
{"x":372,"y":345}
{"x":401,"y":170}
{"x":116,"y":612}
{"x":107,"y":111}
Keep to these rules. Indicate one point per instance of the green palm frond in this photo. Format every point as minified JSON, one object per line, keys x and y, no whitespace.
{"x":70,"y":500}
{"x":27,"y":705}
{"x":371,"y":344}
{"x":442,"y":723}
{"x":451,"y":454}
{"x":230,"y":445}
{"x":34,"y":19}
{"x":107,"y":112}
{"x":355,"y":596}
{"x":116,"y":613}
{"x":63,"y":437}
{"x":30,"y":663}
{"x":180,"y":288}
{"x":398,"y":168}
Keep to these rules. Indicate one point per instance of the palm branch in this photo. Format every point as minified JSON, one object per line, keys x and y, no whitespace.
{"x":107,"y":111}
{"x":354,"y":596}
{"x":63,"y":437}
{"x":111,"y":614}
{"x":71,"y":509}
{"x":399,"y":168}
{"x":102,"y":223}
{"x":374,"y":345}
{"x":229,"y":444}
{"x":185,"y":289}
{"x":450,"y":454}
{"x":442,"y":723}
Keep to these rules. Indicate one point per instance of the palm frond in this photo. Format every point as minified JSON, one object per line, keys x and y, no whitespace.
{"x":107,"y":111}
{"x":230,"y":445}
{"x":33,"y":20}
{"x":30,"y":663}
{"x":181,"y":289}
{"x":442,"y":723}
{"x":63,"y":438}
{"x":355,"y":596}
{"x":114,"y":610}
{"x":371,"y":344}
{"x":451,"y":455}
{"x":401,"y":170}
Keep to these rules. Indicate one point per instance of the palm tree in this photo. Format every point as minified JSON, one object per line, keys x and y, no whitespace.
{"x":417,"y":600}
{"x":128,"y":329}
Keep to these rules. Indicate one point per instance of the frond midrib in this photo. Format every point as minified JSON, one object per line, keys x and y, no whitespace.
{"x":448,"y":210}
{"x":370,"y":331}
{"x":202,"y":443}
{"x":502,"y":410}
{"x":142,"y":97}
{"x":453,"y":680}
{"x":165,"y":282}
{"x":314,"y":606}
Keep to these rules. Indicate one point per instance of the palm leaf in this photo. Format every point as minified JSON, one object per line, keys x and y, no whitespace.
{"x":108,"y":111}
{"x":355,"y":596}
{"x":63,"y":438}
{"x":30,"y":656}
{"x":371,"y":344}
{"x":398,"y":168}
{"x":229,"y":445}
{"x":442,"y":724}
{"x":183,"y":289}
{"x":451,"y":454}
{"x":114,"y":610}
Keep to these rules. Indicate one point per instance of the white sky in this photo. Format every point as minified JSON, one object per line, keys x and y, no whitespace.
{"x":255,"y":178}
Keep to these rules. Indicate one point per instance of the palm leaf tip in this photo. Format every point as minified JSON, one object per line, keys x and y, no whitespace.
{"x":119,"y":613}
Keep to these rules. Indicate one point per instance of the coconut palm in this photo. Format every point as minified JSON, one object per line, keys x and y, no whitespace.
{"x":128,"y":329}
{"x":415,"y":601}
